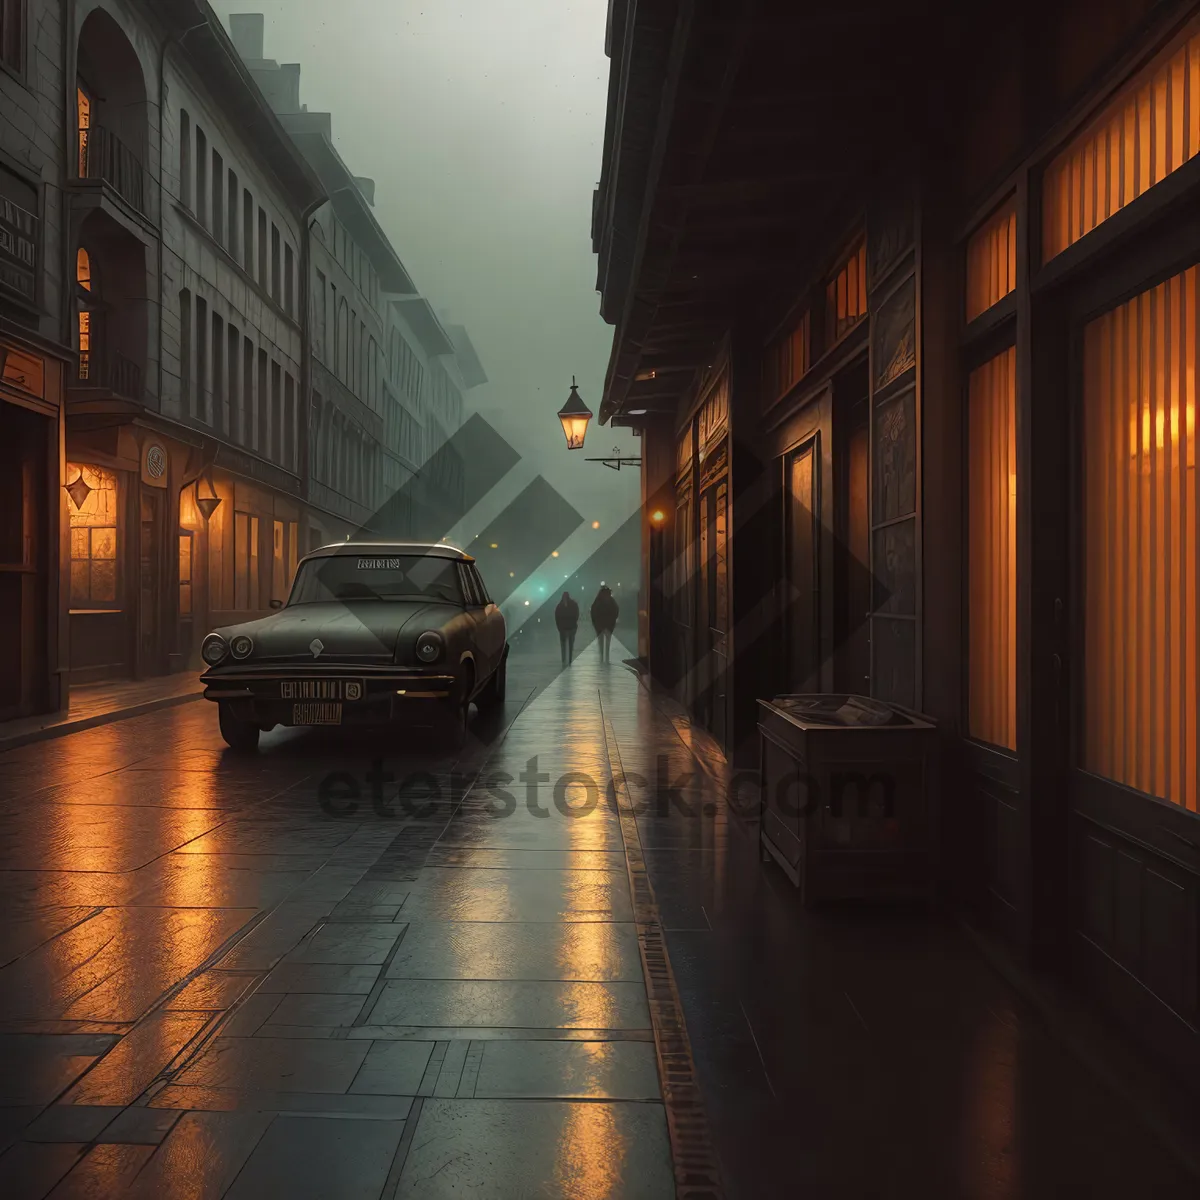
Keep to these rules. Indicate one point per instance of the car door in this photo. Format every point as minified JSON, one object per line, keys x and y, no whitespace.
{"x":493,"y":629}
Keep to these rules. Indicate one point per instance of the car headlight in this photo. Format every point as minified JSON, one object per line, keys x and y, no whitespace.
{"x":430,"y":646}
{"x":214,"y":649}
{"x":241,"y":646}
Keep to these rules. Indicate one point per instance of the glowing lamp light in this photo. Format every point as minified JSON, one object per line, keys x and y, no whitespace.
{"x":574,"y":416}
{"x":553,"y":553}
{"x":658,"y":516}
{"x":495,"y":546}
{"x":526,"y":603}
{"x":210,"y":503}
{"x":595,"y":524}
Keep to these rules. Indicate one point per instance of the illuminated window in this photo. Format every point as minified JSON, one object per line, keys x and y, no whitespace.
{"x":83,"y":103}
{"x":992,"y":552}
{"x":245,"y":563}
{"x":93,"y":538}
{"x":787,"y":361}
{"x":83,"y":276}
{"x":992,"y":262}
{"x":1152,"y":129}
{"x":846,"y":296}
{"x":1141,"y":516}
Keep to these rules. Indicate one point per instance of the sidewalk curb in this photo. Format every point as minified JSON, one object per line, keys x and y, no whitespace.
{"x":16,"y":740}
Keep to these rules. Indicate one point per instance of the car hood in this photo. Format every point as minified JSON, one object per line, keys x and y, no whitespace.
{"x":359,"y":631}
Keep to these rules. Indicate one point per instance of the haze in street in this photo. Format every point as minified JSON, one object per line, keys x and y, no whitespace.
{"x":482,"y":124}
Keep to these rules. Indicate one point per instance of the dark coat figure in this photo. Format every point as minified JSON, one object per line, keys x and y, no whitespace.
{"x":604,"y":619}
{"x":566,"y":617}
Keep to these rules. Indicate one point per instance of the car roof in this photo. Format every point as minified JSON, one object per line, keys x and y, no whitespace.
{"x":433,"y":549}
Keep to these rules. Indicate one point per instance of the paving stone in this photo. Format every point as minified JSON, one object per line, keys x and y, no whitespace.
{"x":31,"y":1169}
{"x":332,"y":1011}
{"x":36,"y":1068}
{"x":345,"y":943}
{"x":201,"y":1156}
{"x":484,"y":894}
{"x":276,"y":1064}
{"x":513,"y":1003}
{"x":578,"y":951}
{"x":103,"y":1171}
{"x":500,"y":1149}
{"x":141,"y":1126}
{"x":315,"y":1158}
{"x":393,"y":1068}
{"x":321,"y":977}
{"x":568,"y":1071}
{"x":71,"y":1123}
{"x":212,"y":991}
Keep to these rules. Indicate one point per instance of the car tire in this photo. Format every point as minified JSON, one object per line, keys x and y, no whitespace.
{"x":493,"y":693}
{"x":239,"y":735}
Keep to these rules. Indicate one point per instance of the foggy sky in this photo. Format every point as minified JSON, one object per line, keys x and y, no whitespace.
{"x":482,"y":124}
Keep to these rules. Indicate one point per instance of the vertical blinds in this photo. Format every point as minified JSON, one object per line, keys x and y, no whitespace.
{"x":992,"y":262}
{"x":1141,"y":543}
{"x":1150,"y":131}
{"x":992,"y":552}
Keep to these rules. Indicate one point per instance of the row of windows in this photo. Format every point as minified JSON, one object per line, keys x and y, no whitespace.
{"x":355,"y":262}
{"x":353,"y":354}
{"x":404,"y":367}
{"x":233,"y":386}
{"x":403,"y":434}
{"x":229,"y":213}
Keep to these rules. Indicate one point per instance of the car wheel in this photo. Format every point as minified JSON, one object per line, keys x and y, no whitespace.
{"x":239,"y":735}
{"x":493,"y":694}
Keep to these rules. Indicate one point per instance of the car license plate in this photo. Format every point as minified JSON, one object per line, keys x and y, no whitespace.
{"x":321,"y":689}
{"x":316,"y":714}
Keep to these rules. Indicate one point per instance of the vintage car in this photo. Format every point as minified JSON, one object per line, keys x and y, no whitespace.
{"x":372,"y":633}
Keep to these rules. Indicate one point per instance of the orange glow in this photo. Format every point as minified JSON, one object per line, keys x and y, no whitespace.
{"x":658,"y":516}
{"x":786,"y":362}
{"x":846,"y":295}
{"x":595,"y":524}
{"x":84,"y":105}
{"x":1142,"y":581}
{"x":94,"y":560}
{"x":992,"y":551}
{"x":553,"y":553}
{"x":992,"y":262}
{"x":1148,"y":132}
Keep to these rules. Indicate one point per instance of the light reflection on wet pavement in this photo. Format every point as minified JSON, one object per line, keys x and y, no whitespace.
{"x":210,"y":986}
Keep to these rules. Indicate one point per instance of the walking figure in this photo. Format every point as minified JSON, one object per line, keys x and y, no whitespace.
{"x":604,"y":619}
{"x":566,"y":617}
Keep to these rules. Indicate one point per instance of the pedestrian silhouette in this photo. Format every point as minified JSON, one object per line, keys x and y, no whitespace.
{"x":604,"y":619}
{"x":566,"y":617}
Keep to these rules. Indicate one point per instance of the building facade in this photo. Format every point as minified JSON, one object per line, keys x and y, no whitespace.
{"x":35,"y":357}
{"x":387,"y":378}
{"x":185,"y":420}
{"x":908,"y":322}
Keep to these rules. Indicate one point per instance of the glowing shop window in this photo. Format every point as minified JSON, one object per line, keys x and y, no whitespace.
{"x":93,"y":522}
{"x":992,"y":262}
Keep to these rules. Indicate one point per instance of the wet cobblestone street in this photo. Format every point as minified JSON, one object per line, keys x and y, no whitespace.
{"x":349,"y":968}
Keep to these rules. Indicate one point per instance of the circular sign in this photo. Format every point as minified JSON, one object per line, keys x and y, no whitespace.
{"x":156,"y":462}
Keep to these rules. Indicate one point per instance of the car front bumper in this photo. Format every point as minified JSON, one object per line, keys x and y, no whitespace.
{"x":271,"y":695}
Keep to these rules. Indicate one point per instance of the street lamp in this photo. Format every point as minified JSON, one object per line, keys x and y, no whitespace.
{"x":574,"y":416}
{"x":210,"y":503}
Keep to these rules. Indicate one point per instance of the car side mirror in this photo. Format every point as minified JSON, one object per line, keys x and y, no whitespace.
{"x":276,"y":603}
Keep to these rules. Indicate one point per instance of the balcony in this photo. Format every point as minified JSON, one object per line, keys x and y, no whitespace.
{"x":107,"y":383}
{"x":104,"y":158}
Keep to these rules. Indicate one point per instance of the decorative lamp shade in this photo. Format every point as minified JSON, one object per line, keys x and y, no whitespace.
{"x":574,"y":416}
{"x":79,"y":491}
{"x":210,"y":503}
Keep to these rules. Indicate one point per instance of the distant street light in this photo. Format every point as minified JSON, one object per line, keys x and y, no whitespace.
{"x":574,"y":416}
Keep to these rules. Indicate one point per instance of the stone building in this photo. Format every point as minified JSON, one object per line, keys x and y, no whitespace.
{"x":388,"y":378}
{"x":905,"y":303}
{"x":35,"y":357}
{"x":185,"y":426}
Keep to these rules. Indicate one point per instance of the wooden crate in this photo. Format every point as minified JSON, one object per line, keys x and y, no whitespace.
{"x":849,"y":796}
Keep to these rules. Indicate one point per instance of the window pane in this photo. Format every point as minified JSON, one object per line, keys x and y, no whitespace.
{"x":1149,"y":128}
{"x":992,"y":262}
{"x":992,"y":552}
{"x":1140,"y":543}
{"x":104,"y":581}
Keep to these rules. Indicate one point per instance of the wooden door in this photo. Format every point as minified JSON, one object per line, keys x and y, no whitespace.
{"x":801,"y":576}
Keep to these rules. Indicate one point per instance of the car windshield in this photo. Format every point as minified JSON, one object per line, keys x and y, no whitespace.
{"x":377,"y":577}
